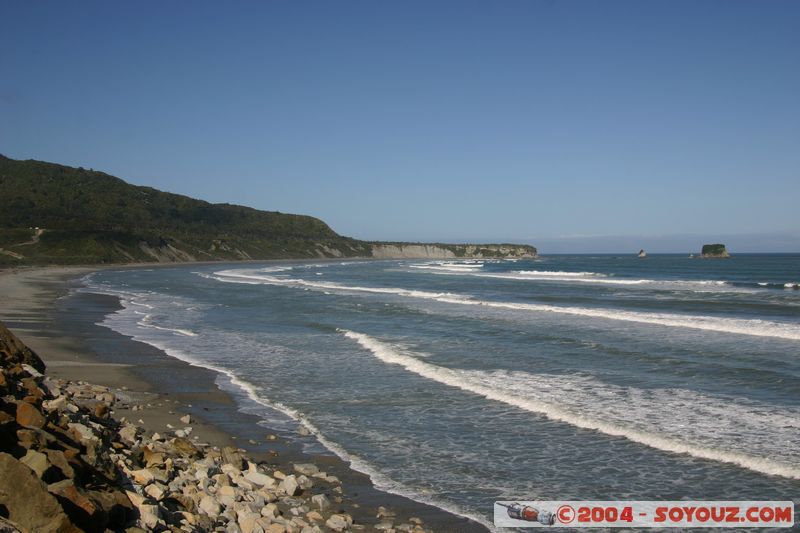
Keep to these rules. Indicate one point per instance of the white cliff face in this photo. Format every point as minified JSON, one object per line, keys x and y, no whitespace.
{"x":450,"y":251}
{"x":410,"y":251}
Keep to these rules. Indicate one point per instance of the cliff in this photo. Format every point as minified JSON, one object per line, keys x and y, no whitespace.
{"x":451,"y":251}
{"x":714,"y":251}
{"x":55,"y":214}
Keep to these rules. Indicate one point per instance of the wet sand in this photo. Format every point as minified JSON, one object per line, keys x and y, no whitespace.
{"x":35,"y":305}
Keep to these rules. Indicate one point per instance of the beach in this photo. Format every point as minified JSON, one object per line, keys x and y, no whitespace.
{"x":63,"y":331}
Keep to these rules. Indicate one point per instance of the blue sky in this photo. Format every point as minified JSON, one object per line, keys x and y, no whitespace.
{"x":582,"y":125}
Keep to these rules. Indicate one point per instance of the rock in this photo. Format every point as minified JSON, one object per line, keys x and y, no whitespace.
{"x":315,"y":516}
{"x":29,"y":416}
{"x":142,"y":477}
{"x":384,"y":526}
{"x":232,"y":457}
{"x":714,"y":251}
{"x":80,"y":508}
{"x":304,"y":483}
{"x":270,"y":511}
{"x":185,"y":447}
{"x":321,"y":501}
{"x":209,"y":506}
{"x":13,"y":351}
{"x":37,"y":462}
{"x":247,"y":521}
{"x":148,"y":516}
{"x":307,"y":469}
{"x":257,"y":478}
{"x":337,"y":522}
{"x":303,"y":431}
{"x":383,"y":512}
{"x":290,"y":485}
{"x":128,"y":434}
{"x":7,"y":526}
{"x":276,"y":528}
{"x":152,"y":458}
{"x":82,"y":433}
{"x":156,"y":491}
{"x":25,"y":498}
{"x":101,"y":410}
{"x":186,"y":419}
{"x":60,"y":462}
{"x":58,"y":404}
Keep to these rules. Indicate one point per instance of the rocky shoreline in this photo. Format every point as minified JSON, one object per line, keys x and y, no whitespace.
{"x":68,"y":464}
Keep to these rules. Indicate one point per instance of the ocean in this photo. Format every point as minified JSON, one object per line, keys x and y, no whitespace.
{"x":462,"y":382}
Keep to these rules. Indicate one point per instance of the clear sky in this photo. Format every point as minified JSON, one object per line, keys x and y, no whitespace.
{"x":577,"y":125}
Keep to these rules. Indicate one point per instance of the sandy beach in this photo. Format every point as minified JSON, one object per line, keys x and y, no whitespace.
{"x":63,"y":332}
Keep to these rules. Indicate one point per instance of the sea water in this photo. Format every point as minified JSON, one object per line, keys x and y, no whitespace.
{"x":460,"y":382}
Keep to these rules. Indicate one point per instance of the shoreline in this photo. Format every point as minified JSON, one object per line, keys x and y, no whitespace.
{"x":64,"y":333}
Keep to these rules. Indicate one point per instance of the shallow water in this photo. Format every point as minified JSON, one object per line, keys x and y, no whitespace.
{"x":462,"y":382}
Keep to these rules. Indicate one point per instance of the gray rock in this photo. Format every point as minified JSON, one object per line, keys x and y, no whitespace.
{"x":337,"y":522}
{"x":290,"y":485}
{"x":210,"y":506}
{"x":257,"y":478}
{"x":307,"y":469}
{"x":320,"y":501}
{"x":304,"y":482}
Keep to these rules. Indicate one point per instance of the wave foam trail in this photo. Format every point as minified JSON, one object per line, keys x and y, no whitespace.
{"x":117,"y":322}
{"x":753,"y":327}
{"x":463,"y":380}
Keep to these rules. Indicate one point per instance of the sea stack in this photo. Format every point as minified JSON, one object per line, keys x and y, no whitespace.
{"x":642,"y":253}
{"x":714,"y":251}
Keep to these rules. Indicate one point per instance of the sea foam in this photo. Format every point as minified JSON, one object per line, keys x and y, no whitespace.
{"x":753,"y":327}
{"x":495,"y":391}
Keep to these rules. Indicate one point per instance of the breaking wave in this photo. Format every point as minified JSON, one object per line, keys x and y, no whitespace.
{"x":495,"y":386}
{"x":753,"y":327}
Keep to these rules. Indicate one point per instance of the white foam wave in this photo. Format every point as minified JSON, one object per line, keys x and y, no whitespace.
{"x":178,"y":331}
{"x":560,"y":274}
{"x":752,"y":327}
{"x":379,"y":480}
{"x":594,"y":277}
{"x":490,"y":390}
{"x":450,"y":266}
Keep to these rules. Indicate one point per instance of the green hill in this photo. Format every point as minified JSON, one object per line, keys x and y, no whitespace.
{"x":55,"y":214}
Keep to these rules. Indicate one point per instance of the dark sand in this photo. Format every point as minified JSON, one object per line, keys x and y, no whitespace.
{"x":63,"y":331}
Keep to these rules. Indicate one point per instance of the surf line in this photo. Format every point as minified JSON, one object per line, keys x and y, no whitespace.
{"x":446,"y":376}
{"x":753,"y":327}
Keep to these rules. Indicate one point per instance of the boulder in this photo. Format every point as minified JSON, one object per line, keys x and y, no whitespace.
{"x":209,"y":506}
{"x":320,"y":501}
{"x":337,"y":522}
{"x":257,"y":478}
{"x":232,"y":457}
{"x":185,"y":448}
{"x":27,"y":501}
{"x":37,"y":462}
{"x":128,"y":434}
{"x":13,"y":351}
{"x":29,"y":416}
{"x":307,"y":469}
{"x":290,"y":485}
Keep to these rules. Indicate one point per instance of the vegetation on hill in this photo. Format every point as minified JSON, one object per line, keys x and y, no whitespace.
{"x":55,"y":214}
{"x":90,"y":216}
